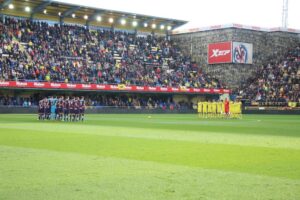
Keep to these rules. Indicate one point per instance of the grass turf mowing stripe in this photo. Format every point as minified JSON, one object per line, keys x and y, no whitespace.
{"x":41,"y":174}
{"x":187,"y":135}
{"x":257,"y":160}
{"x":254,"y":125}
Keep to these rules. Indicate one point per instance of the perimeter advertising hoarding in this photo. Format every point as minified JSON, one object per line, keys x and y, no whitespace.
{"x":104,"y":87}
{"x":242,"y":52}
{"x":219,"y":53}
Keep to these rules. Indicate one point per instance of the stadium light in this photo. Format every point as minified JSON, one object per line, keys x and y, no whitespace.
{"x":59,"y":13}
{"x":134,"y":23}
{"x":169,"y":28}
{"x":99,"y":18}
{"x":162,"y":27}
{"x":111,"y":20}
{"x":123,"y":21}
{"x":11,"y":6}
{"x":45,"y":11}
{"x":73,"y":15}
{"x":145,"y":25}
{"x":85,"y":17}
{"x":27,"y":9}
{"x":153,"y":26}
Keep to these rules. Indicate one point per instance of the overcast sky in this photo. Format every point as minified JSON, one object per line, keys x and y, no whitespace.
{"x":200,"y":13}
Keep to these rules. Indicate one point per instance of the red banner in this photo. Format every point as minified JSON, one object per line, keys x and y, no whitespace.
{"x":101,"y":87}
{"x":219,"y":53}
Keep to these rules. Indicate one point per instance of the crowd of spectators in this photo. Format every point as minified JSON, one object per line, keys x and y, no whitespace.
{"x":139,"y":102}
{"x":38,"y":51}
{"x":110,"y":101}
{"x":277,"y":82}
{"x":17,"y":101}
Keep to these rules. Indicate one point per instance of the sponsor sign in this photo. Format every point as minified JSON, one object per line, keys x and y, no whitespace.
{"x":219,"y":53}
{"x":242,"y":52}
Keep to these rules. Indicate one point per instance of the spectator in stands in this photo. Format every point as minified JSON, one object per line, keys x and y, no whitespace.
{"x":276,"y":83}
{"x":36,"y":51}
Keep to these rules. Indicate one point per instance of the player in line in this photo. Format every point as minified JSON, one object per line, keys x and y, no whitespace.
{"x":61,"y":109}
{"x":226,"y":109}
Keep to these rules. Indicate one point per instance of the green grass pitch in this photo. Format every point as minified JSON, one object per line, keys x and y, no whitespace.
{"x":132,"y":157}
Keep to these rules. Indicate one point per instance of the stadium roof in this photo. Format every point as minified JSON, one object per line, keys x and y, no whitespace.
{"x":69,"y":13}
{"x":238,"y":26}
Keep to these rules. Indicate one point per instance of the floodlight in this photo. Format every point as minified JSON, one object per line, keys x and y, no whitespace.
{"x":99,"y":18}
{"x":11,"y":6}
{"x":134,"y":23}
{"x":123,"y":21}
{"x":27,"y":9}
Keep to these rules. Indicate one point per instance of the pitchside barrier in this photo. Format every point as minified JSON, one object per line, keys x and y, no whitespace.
{"x":271,"y":110}
{"x":132,"y":110}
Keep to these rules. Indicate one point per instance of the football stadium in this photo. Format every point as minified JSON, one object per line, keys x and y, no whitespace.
{"x":105,"y":104}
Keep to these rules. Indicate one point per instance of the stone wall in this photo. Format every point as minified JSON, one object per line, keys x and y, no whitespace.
{"x":267,"y":46}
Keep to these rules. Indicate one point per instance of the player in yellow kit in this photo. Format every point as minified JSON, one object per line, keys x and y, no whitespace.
{"x":219,"y":109}
{"x":236,"y":109}
{"x":214,"y":109}
{"x":232,"y":110}
{"x":209,"y":109}
{"x":200,"y":109}
{"x":204,"y":109}
{"x":239,"y":109}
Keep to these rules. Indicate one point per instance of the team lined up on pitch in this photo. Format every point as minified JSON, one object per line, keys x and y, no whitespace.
{"x":226,"y":109}
{"x":60,"y":109}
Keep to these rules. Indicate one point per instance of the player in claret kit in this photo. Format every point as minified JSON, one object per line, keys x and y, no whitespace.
{"x":81,"y":109}
{"x":71,"y":106}
{"x":47,"y":108}
{"x":61,"y":111}
{"x":76,"y":108}
{"x":66,"y":109}
{"x":41,"y":109}
{"x":59,"y":108}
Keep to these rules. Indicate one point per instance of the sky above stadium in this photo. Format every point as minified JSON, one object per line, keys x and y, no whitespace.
{"x":201,"y":13}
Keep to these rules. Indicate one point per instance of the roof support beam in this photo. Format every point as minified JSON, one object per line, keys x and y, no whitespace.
{"x":5,"y":3}
{"x":147,"y":21}
{"x":70,"y":11}
{"x":40,"y":7}
{"x":119,"y":20}
{"x":95,"y":15}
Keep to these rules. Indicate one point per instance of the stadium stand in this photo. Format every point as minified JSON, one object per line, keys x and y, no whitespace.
{"x":38,"y":51}
{"x":44,"y":51}
{"x":275,"y":84}
{"x":270,"y":45}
